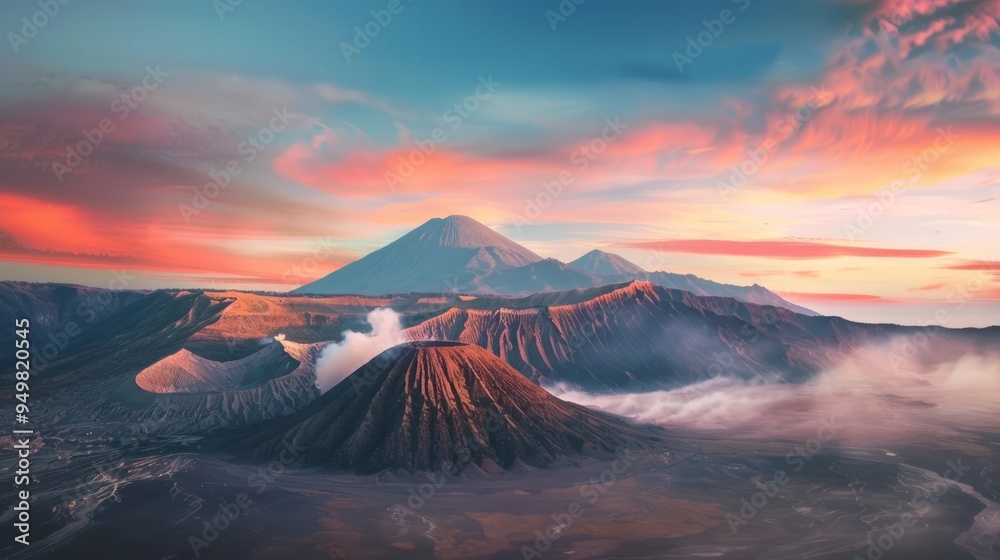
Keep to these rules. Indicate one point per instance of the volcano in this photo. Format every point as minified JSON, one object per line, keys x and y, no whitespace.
{"x":459,"y":254}
{"x":441,"y":255}
{"x":439,"y":406}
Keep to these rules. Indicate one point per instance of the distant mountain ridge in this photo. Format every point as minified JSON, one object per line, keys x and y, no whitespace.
{"x":601,"y":264}
{"x":613,"y":269}
{"x":459,"y":254}
{"x":643,"y":337}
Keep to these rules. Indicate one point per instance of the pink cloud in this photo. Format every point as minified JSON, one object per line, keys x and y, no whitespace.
{"x":779,"y":249}
{"x":838,"y":297}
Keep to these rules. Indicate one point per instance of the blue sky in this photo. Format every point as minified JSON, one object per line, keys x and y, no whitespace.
{"x":879,"y":86}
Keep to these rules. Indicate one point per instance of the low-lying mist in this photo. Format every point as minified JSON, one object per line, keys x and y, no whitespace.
{"x":874,"y":397}
{"x":340,"y":359}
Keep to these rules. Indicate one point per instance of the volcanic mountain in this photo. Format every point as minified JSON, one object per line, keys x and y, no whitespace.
{"x":548,"y":275}
{"x":458,"y":254}
{"x":643,"y":337}
{"x":447,"y":406}
{"x":203,"y":394}
{"x":437,"y":257}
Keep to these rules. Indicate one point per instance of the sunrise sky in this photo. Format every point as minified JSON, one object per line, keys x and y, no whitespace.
{"x":841,"y":153}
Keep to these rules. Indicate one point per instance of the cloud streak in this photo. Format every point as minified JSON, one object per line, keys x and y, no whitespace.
{"x":780,"y":249}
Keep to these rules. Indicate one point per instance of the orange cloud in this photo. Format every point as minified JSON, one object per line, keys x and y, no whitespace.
{"x":988,"y":266}
{"x":53,"y":226}
{"x":929,"y":287}
{"x":835,"y":297}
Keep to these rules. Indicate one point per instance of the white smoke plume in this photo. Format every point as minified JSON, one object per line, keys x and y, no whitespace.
{"x":271,"y":339}
{"x":340,"y":359}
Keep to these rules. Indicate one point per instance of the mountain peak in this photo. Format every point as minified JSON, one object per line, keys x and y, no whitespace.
{"x":460,"y":218}
{"x":459,"y":254}
{"x":440,"y":255}
{"x":463,"y":232}
{"x":441,"y":405}
{"x":601,"y":263}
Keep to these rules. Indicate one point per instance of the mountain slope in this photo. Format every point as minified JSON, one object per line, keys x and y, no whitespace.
{"x":702,"y":287}
{"x":57,"y":313}
{"x":438,"y":405}
{"x":602,"y":264}
{"x":458,"y":254}
{"x":613,"y":269}
{"x":440,"y":255}
{"x":185,"y":372}
{"x":640,"y":336}
{"x":201,"y":394}
{"x":548,"y":275}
